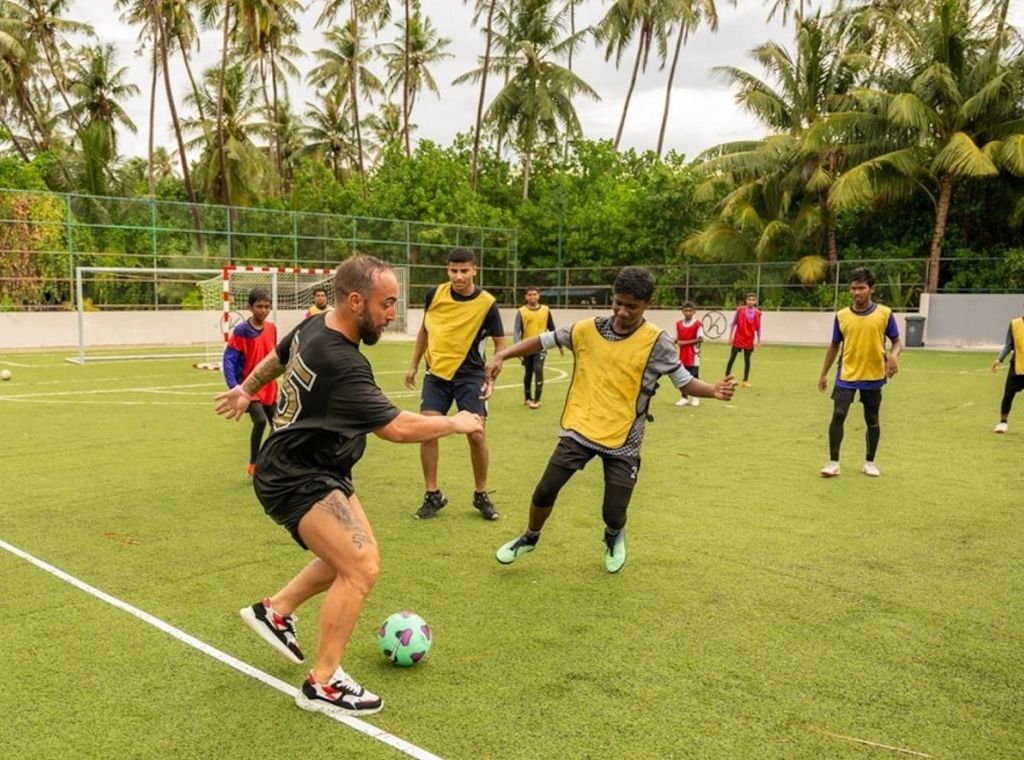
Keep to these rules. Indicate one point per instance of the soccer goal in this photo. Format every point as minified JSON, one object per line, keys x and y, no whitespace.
{"x":290,"y":289}
{"x":138,"y":313}
{"x":151,"y":313}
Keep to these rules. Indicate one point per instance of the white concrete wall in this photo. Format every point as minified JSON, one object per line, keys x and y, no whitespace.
{"x":967,"y":320}
{"x":59,"y":329}
{"x":962,"y":321}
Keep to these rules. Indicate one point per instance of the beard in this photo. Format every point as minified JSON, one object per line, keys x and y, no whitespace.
{"x":368,"y":332}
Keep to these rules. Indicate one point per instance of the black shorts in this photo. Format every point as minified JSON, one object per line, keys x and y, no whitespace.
{"x":288,"y":493}
{"x":464,"y":390}
{"x":621,"y":471}
{"x":695,"y":371}
{"x":846,"y":395}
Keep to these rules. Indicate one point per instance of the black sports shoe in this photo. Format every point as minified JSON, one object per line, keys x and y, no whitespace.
{"x":433,"y":502}
{"x":483,"y":502}
{"x":277,"y":630}
{"x":342,"y":696}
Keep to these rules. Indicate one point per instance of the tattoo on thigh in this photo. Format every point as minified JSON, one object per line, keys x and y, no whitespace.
{"x":337,"y":504}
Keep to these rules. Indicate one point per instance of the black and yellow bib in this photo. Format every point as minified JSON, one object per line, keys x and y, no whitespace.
{"x":606,"y":382}
{"x":452,"y":327}
{"x":863,"y":343}
{"x":535,"y":321}
{"x":1017,"y":329}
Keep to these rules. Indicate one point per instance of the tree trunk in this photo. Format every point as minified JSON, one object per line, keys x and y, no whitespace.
{"x":668,"y":89}
{"x":480,"y":101}
{"x":161,"y":46}
{"x":526,"y":173}
{"x":152,"y":126}
{"x":629,"y":93}
{"x":941,"y":216}
{"x":405,"y":86}
{"x":192,"y":81}
{"x":222,"y":156}
{"x":58,"y":77}
{"x":828,"y":224}
{"x":14,"y":140}
{"x":277,"y":118}
{"x":355,"y":94}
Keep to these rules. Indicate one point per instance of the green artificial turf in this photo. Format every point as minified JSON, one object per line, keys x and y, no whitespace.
{"x":764,"y":612}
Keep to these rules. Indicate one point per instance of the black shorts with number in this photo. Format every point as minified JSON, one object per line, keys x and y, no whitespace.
{"x":621,"y":471}
{"x":462,"y":390}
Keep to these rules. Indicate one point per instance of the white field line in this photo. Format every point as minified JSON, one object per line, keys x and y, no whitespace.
{"x":243,"y":667}
{"x":192,"y":389}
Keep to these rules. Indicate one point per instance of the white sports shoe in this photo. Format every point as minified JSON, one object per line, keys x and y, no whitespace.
{"x":695,"y":401}
{"x":870,"y":469}
{"x":1002,"y":427}
{"x":683,"y":402}
{"x":830,"y":470}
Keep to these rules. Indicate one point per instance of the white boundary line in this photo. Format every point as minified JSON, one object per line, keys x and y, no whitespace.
{"x":372,"y":731}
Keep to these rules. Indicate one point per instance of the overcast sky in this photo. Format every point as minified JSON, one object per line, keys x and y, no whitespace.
{"x":703,"y":112}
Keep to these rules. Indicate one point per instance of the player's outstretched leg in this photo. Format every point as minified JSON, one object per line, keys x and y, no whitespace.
{"x":509,"y":552}
{"x":275,"y":629}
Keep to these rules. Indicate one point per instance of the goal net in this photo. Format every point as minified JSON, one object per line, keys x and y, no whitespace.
{"x":290,"y":289}
{"x":152,"y":313}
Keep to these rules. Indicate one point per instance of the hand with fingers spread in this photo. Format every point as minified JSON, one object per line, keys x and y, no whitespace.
{"x":233,"y":404}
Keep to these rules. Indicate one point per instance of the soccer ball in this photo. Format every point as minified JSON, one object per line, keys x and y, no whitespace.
{"x":5,"y":374}
{"x":404,"y":638}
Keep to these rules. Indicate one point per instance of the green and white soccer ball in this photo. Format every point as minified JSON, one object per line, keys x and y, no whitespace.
{"x":5,"y":374}
{"x":404,"y":638}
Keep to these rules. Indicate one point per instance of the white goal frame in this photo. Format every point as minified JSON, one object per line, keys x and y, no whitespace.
{"x":224,"y":320}
{"x":80,"y":308}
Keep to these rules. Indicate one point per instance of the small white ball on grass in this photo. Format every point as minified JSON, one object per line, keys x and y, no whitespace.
{"x":5,"y":374}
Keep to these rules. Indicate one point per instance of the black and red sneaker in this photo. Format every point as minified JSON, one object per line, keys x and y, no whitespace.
{"x":342,"y":696}
{"x":277,"y":630}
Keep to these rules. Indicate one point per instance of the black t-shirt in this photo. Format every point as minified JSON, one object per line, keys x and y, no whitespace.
{"x":490,"y":327}
{"x":327,"y":404}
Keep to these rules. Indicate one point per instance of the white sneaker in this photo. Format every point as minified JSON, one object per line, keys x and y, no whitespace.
{"x":870,"y":469}
{"x":830,"y":470}
{"x":1002,"y":427}
{"x":683,"y":402}
{"x":695,"y":401}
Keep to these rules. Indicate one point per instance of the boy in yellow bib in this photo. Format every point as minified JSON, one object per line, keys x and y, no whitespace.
{"x":859,"y":331}
{"x":533,"y":319}
{"x":1015,"y":376}
{"x":457,"y":318}
{"x":617,"y":363}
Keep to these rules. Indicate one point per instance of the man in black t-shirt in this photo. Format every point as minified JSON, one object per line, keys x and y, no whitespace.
{"x":458,"y":317}
{"x":329,"y":402}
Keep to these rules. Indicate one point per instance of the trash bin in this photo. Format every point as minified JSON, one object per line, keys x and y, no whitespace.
{"x":915,"y":331}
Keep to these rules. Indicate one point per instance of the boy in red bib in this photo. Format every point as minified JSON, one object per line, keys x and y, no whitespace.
{"x":689,"y":336}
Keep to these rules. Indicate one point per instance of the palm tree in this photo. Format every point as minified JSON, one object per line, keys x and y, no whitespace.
{"x":408,"y":65}
{"x":479,"y":8}
{"x":13,"y":62}
{"x":248,"y":168}
{"x":265,"y":30}
{"x":650,"y":22}
{"x":945,"y":106}
{"x":536,"y":104}
{"x":344,"y":65}
{"x":46,"y":28}
{"x":99,"y":87}
{"x":792,"y":169}
{"x":689,"y":15}
{"x":329,"y":133}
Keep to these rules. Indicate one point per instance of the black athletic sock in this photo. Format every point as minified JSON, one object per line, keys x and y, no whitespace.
{"x":873,"y":433}
{"x":835,"y":439}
